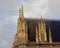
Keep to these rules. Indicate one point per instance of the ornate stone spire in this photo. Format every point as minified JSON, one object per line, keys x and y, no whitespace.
{"x":39,"y":32}
{"x":37,"y":41}
{"x":42,"y":31}
{"x":21,"y":12}
{"x":21,"y":35}
{"x":50,"y":36}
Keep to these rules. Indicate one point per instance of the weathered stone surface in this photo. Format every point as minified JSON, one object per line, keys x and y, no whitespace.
{"x":33,"y":33}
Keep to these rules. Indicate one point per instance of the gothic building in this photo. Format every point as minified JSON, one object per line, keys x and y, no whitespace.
{"x":31,"y":33}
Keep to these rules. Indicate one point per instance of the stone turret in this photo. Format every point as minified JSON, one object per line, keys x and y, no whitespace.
{"x":21,"y":35}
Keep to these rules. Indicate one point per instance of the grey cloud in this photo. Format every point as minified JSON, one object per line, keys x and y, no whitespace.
{"x":54,"y":6}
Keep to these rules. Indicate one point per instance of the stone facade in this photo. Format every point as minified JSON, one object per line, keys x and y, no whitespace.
{"x":32,"y":34}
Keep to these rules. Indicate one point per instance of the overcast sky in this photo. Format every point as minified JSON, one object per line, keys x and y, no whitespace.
{"x":32,"y":9}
